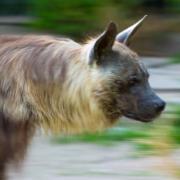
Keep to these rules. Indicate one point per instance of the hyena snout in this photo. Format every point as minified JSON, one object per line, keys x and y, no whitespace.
{"x":159,"y":105}
{"x":145,"y":106}
{"x":152,"y":107}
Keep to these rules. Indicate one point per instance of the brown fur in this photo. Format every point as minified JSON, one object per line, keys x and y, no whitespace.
{"x":42,"y":82}
{"x":14,"y":139}
{"x":62,"y":86}
{"x":66,"y":87}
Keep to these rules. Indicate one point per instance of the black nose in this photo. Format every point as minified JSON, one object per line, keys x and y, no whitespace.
{"x":160,"y":106}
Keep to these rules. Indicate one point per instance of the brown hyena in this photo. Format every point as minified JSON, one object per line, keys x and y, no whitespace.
{"x":68,"y":87}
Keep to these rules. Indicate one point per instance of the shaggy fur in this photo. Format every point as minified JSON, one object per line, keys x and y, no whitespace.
{"x":45,"y":78}
{"x":43,"y":84}
{"x":52,"y":83}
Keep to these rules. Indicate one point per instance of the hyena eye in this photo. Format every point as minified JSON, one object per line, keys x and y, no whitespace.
{"x":118,"y":82}
{"x":133,"y":81}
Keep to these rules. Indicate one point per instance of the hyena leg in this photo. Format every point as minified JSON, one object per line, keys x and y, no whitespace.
{"x":2,"y":170}
{"x":14,"y":139}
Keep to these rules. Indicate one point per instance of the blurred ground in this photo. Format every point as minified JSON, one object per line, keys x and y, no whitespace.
{"x":121,"y":161}
{"x":92,"y":162}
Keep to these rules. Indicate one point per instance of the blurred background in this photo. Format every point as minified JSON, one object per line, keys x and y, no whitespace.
{"x":131,"y":150}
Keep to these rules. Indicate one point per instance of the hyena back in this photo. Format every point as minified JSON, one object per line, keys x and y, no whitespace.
{"x":48,"y":80}
{"x":68,"y":87}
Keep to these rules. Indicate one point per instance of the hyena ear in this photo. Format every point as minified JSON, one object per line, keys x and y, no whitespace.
{"x":103,"y":43}
{"x":125,"y":36}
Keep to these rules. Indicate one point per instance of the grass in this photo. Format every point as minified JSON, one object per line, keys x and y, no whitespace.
{"x":107,"y":137}
{"x":175,"y":135}
{"x":175,"y":59}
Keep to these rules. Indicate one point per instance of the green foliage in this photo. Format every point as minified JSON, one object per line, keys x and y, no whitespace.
{"x":173,"y":6}
{"x":175,"y":59}
{"x":67,"y":16}
{"x":76,"y":17}
{"x":14,"y":7}
{"x":128,"y":6}
{"x":175,"y":133}
{"x":106,"y":137}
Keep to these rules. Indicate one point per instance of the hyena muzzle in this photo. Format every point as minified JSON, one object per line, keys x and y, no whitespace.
{"x":68,"y":87}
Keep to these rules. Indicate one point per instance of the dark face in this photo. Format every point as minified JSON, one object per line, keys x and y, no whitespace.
{"x":126,"y":90}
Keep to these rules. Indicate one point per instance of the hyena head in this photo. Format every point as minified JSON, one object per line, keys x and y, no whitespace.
{"x":122,"y":86}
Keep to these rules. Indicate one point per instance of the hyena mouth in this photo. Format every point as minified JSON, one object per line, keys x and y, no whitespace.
{"x":142,"y":118}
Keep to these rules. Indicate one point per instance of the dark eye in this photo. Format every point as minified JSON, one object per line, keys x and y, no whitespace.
{"x":133,"y":81}
{"x":118,"y":82}
{"x":119,"y":85}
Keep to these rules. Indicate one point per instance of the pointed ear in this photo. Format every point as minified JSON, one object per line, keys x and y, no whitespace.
{"x":103,"y":43}
{"x":125,"y":36}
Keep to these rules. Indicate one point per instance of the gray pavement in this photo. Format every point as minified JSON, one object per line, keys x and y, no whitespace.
{"x":90,"y":162}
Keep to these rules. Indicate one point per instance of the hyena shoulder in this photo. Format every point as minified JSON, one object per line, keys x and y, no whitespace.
{"x":28,"y":61}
